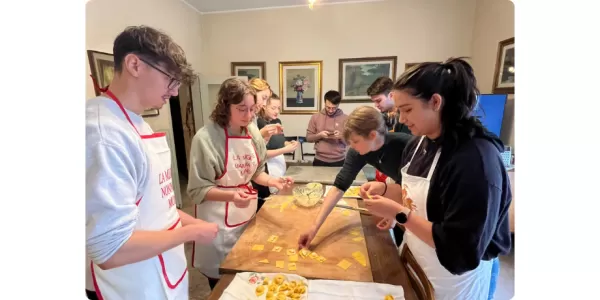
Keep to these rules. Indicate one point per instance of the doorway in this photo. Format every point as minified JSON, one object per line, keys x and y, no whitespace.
{"x":179,"y":137}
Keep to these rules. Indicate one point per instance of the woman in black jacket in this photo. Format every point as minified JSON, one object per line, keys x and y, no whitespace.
{"x":455,"y":191}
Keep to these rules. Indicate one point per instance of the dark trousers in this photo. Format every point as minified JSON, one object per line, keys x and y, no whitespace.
{"x":212,"y":282}
{"x":91,"y":295}
{"x":320,"y":163}
{"x":398,"y":235}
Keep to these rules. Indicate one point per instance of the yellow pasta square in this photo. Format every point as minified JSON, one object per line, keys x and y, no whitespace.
{"x":277,"y":249}
{"x":358,"y":239}
{"x":346,"y":213}
{"x":264,"y":261}
{"x":258,"y":247}
{"x":291,"y":251}
{"x":280,"y":264}
{"x":355,"y":232}
{"x":304,"y":253}
{"x":293,"y":258}
{"x":314,"y":255}
{"x":292,"y":266}
{"x":273,"y":239}
{"x":321,"y":259}
{"x":344,"y":264}
{"x":294,"y":206}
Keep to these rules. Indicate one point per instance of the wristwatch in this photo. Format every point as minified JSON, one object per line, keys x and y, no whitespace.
{"x":402,"y":216}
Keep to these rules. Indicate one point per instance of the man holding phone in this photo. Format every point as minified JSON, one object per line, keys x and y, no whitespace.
{"x":325,"y":129}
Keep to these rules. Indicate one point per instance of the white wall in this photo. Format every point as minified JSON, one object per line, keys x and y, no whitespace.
{"x":494,"y":22}
{"x":413,"y":30}
{"x":105,"y":19}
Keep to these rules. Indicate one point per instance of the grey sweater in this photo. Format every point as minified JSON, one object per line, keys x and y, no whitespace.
{"x":207,"y":158}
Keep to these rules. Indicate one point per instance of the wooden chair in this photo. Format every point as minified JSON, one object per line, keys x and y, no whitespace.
{"x":416,"y":275}
{"x":302,"y":140}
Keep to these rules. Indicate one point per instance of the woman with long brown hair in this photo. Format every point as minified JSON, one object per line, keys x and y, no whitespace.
{"x":226,"y":155}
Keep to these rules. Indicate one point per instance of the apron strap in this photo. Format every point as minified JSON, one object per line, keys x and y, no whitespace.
{"x":434,"y":163}
{"x":114,"y":98}
{"x":417,"y":149}
{"x":97,"y":86}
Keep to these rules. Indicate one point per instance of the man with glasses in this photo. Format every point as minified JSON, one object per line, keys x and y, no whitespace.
{"x":134,"y":231}
{"x":325,"y":129}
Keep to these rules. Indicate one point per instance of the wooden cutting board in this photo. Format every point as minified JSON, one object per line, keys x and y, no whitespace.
{"x":334,"y":241}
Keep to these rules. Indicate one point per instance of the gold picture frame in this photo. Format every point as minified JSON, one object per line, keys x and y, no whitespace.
{"x":300,"y":86}
{"x":504,"y":74}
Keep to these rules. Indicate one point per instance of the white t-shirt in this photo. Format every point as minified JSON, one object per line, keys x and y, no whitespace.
{"x":117,"y":173}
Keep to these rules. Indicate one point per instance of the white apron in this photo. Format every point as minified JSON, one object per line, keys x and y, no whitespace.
{"x":472,"y":285}
{"x":241,"y":162}
{"x":163,"y":276}
{"x":276,"y":166}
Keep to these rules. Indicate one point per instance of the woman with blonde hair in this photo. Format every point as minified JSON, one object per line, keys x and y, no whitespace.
{"x":226,"y":155}
{"x":370,"y":143}
{"x":263,"y":93}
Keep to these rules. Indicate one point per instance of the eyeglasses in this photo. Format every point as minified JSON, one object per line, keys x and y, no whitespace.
{"x":173,"y":83}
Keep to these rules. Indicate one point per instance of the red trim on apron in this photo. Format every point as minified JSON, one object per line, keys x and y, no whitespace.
{"x":164,"y":268}
{"x":249,"y":191}
{"x":143,"y":136}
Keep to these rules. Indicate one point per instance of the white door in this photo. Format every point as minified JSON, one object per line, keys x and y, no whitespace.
{"x":209,"y":88}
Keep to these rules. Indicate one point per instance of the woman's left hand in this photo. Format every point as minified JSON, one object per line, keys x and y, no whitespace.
{"x":383,"y":207}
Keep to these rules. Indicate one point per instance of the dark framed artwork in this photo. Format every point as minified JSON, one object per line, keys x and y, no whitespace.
{"x":357,"y":74}
{"x":249,"y":69}
{"x":300,"y":85}
{"x":504,"y":75}
{"x":102,"y":66}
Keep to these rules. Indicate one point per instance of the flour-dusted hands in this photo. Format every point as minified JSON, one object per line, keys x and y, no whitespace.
{"x":280,"y":182}
{"x":386,"y":224}
{"x":383,"y":207}
{"x":371,"y":188}
{"x":202,"y":232}
{"x":242,"y":199}
{"x":271,"y":129}
{"x":291,"y":146}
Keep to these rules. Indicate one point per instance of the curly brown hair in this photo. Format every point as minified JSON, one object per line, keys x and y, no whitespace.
{"x":232,"y":91}
{"x":154,"y":46}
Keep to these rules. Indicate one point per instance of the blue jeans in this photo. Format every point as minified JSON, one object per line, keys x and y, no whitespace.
{"x":494,"y":278}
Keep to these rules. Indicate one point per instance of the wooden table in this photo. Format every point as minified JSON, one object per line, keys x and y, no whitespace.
{"x":323,"y":175}
{"x":382,"y":254}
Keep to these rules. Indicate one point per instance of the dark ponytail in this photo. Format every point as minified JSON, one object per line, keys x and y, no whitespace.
{"x":454,"y":80}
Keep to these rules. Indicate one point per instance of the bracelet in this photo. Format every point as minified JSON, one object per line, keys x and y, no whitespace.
{"x":385,"y":190}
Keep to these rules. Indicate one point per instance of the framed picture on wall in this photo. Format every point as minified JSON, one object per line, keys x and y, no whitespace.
{"x":249,"y":69}
{"x":410,"y":65}
{"x":504,"y":75}
{"x":357,"y":74}
{"x":300,"y":85}
{"x":102,"y":66}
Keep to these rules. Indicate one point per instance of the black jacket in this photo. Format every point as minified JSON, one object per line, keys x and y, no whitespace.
{"x":386,"y":159}
{"x":468,"y":200}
